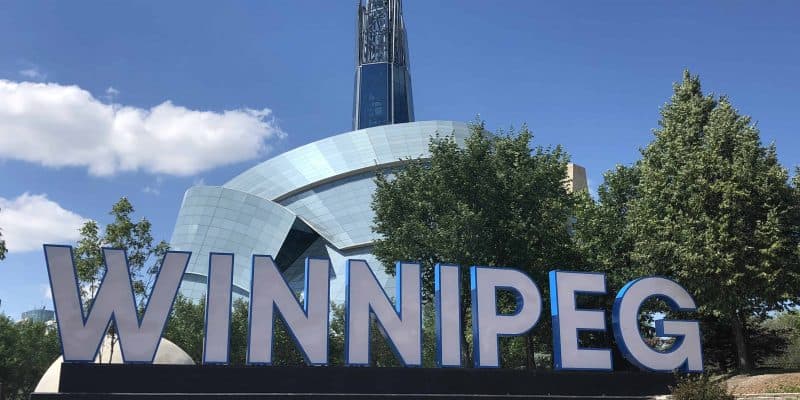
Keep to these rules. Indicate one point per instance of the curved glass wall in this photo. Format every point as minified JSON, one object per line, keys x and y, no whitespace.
{"x":313,"y":201}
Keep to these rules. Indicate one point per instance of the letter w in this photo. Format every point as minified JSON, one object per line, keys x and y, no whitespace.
{"x":81,"y":336}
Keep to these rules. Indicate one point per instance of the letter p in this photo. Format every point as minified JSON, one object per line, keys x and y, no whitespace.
{"x":487,"y":325}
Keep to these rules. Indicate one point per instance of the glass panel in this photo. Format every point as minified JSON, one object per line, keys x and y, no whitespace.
{"x":374,"y":109}
{"x":400,"y":97}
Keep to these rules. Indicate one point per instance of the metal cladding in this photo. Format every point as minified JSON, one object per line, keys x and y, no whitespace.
{"x":313,"y":201}
{"x":383,"y":82}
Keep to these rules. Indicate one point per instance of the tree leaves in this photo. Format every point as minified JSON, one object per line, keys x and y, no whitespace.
{"x":144,"y":256}
{"x":715,"y":210}
{"x":27,"y":349}
{"x":494,"y":201}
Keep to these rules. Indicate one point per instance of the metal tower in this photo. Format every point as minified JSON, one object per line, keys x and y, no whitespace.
{"x":383,"y":82}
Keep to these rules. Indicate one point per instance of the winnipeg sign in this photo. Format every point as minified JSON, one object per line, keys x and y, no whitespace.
{"x":307,"y":320}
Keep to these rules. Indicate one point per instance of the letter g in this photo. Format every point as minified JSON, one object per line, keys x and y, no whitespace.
{"x":685,"y":354}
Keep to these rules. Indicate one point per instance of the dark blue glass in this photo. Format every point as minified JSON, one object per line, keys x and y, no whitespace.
{"x":374,"y":95}
{"x":383,"y":82}
{"x":400,"y":96}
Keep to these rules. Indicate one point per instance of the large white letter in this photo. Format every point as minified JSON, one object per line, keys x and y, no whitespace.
{"x":486,"y":324}
{"x":402,"y":326}
{"x":138,"y":339}
{"x":307,"y":324}
{"x":447,"y":302}
{"x":568,"y":320}
{"x":685,"y":354}
{"x":216,"y":345}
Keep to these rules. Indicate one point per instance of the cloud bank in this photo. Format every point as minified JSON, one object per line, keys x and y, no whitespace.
{"x":30,"y":220}
{"x":65,"y":126}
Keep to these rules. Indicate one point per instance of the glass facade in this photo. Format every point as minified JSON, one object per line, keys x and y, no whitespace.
{"x":383,"y":82}
{"x":313,"y":201}
{"x":374,"y":106}
{"x":39,"y":315}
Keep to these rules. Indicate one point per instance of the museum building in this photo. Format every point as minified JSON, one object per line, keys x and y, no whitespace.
{"x":315,"y":200}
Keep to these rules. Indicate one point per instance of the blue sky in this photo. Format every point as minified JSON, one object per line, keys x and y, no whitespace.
{"x":143,"y":99}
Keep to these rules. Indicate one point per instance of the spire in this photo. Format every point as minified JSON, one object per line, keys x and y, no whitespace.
{"x":383,"y":82}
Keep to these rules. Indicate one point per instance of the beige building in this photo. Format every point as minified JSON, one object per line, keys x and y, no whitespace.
{"x":577,"y":178}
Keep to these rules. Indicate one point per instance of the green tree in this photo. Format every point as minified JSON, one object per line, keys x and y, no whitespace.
{"x":186,"y":326}
{"x":494,"y":201}
{"x":144,"y":256}
{"x":239,"y":328}
{"x":716,"y":212}
{"x":787,"y":325}
{"x":603,"y":239}
{"x":37,"y":347}
{"x":27,"y":349}
{"x":601,"y":229}
{"x":8,"y":342}
{"x":380,"y":352}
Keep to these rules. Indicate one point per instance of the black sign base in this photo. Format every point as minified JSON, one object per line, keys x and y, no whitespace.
{"x":166,"y":382}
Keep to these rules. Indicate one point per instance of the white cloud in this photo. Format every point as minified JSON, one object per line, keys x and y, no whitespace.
{"x":29,"y":221}
{"x":33,"y":73}
{"x":56,"y":126}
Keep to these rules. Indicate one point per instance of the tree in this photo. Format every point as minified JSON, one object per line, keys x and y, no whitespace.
{"x":493,"y":202}
{"x":239,"y":328}
{"x":144,"y":256}
{"x":186,"y":329}
{"x":37,"y":347}
{"x":186,"y":326}
{"x":8,"y":342}
{"x":601,"y":230}
{"x":787,"y":325}
{"x":27,"y":349}
{"x":381,"y":354}
{"x":602,"y":236}
{"x":715,"y":211}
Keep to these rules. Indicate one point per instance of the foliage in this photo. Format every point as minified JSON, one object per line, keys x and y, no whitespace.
{"x":239,"y":326}
{"x":787,"y":325}
{"x":493,"y":201}
{"x":185,"y":329}
{"x":700,"y":387}
{"x":719,"y":347}
{"x":602,"y":237}
{"x":715,"y":211}
{"x":27,"y":349}
{"x":186,"y":326}
{"x":381,"y":353}
{"x":144,"y":256}
{"x":601,"y":231}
